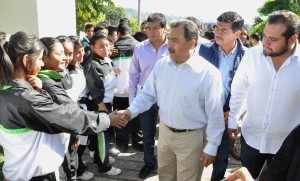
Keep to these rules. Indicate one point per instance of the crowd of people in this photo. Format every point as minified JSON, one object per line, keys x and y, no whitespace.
{"x":62,"y":95}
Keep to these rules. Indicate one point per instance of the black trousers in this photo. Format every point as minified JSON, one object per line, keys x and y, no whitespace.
{"x":103,"y":166}
{"x":252,"y":159}
{"x":133,"y":127}
{"x":51,"y":176}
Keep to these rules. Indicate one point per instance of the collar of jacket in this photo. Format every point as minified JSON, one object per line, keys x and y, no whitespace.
{"x":49,"y":73}
{"x":5,"y":87}
{"x":240,"y":47}
{"x":98,"y":58}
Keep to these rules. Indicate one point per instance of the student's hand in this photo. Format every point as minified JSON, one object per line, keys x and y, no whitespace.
{"x":35,"y":82}
{"x":117,"y":120}
{"x":117,"y":71}
{"x":114,"y":51}
{"x":75,"y":144}
{"x":232,"y":133}
{"x":241,"y":174}
{"x":207,"y":159}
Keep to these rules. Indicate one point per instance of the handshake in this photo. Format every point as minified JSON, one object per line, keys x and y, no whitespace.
{"x":120,"y":118}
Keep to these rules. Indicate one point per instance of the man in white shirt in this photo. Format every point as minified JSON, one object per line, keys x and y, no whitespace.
{"x":267,"y":84}
{"x":188,"y":92}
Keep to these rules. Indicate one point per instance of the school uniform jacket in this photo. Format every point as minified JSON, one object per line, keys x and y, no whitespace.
{"x":29,"y":124}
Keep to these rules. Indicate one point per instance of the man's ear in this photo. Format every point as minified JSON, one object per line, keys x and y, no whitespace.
{"x":193,"y":44}
{"x":92,"y":47}
{"x":237,"y":33}
{"x":293,"y":39}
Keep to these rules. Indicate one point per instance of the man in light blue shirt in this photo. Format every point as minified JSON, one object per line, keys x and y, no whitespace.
{"x":225,"y":54}
{"x":188,"y":92}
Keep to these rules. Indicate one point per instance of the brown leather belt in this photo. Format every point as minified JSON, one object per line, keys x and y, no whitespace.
{"x":179,"y":130}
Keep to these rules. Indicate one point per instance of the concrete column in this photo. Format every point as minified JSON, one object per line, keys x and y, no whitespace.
{"x":40,"y":17}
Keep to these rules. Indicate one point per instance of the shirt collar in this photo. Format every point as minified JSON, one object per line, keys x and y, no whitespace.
{"x":150,"y":44}
{"x":233,"y":51}
{"x":191,"y":61}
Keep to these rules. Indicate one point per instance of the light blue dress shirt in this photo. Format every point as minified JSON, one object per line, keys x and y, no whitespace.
{"x":226,"y":68}
{"x":188,"y":96}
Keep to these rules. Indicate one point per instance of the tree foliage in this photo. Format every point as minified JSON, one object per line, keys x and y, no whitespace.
{"x":269,"y":7}
{"x":114,"y":15}
{"x":91,"y":11}
{"x":134,"y":25}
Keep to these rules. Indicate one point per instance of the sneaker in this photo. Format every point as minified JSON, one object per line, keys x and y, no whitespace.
{"x":113,"y":171}
{"x":114,"y":151}
{"x":111,"y":160}
{"x":85,"y":176}
{"x":92,"y":154}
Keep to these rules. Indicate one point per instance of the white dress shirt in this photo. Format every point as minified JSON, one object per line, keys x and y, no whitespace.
{"x":272,"y":99}
{"x":188,"y":96}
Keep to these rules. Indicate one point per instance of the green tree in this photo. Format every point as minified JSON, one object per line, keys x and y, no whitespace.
{"x":134,"y":25}
{"x":91,"y":11}
{"x":114,"y":15}
{"x":269,"y":7}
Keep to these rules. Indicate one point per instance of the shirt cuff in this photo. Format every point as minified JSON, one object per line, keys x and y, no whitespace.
{"x":210,"y":149}
{"x":134,"y":112}
{"x":232,"y":124}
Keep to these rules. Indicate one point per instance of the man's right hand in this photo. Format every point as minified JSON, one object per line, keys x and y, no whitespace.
{"x":232,"y":133}
{"x":117,"y":120}
{"x":125,"y":114}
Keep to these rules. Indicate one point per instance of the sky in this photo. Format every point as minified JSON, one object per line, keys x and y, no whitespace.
{"x":201,"y":9}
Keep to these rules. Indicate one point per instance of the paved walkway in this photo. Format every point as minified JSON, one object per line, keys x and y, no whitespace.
{"x":132,"y":161}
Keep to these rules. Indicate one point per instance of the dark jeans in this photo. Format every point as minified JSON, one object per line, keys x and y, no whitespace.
{"x":221,"y":162}
{"x":252,"y":159}
{"x":148,"y":121}
{"x":133,"y":127}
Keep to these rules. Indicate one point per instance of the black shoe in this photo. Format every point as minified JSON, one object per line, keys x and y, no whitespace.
{"x":145,"y":171}
{"x":138,"y":146}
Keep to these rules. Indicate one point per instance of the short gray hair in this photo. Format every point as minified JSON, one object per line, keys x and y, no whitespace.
{"x":190,"y":28}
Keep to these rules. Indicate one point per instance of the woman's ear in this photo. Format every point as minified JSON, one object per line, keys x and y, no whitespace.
{"x":25,"y":60}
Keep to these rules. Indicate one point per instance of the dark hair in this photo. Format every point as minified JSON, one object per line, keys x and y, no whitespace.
{"x":63,"y":39}
{"x":100,"y":26}
{"x":255,"y":36}
{"x":75,"y":40}
{"x":111,"y":30}
{"x":6,"y":66}
{"x":157,"y":17}
{"x":20,"y":44}
{"x":140,"y":36}
{"x":49,"y":43}
{"x":144,"y":22}
{"x":190,"y":28}
{"x":96,"y":37}
{"x":209,"y":34}
{"x":124,"y":29}
{"x":288,"y":18}
{"x":232,"y":17}
{"x":4,"y":42}
{"x":124,"y":20}
{"x":87,"y":26}
{"x":195,"y":20}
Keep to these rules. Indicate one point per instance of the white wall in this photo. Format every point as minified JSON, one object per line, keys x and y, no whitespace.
{"x":40,"y":17}
{"x":56,"y":17}
{"x":16,"y":15}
